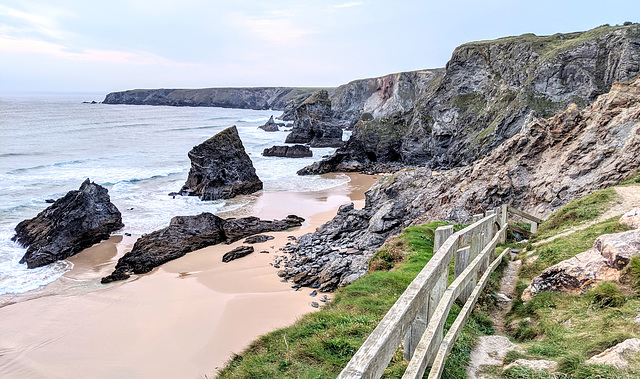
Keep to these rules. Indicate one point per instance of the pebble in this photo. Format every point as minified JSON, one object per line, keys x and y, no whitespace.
{"x":314,"y":304}
{"x":313,"y":293}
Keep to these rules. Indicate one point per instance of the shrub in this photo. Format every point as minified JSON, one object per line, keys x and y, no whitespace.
{"x":366,"y":116}
{"x":606,"y":295}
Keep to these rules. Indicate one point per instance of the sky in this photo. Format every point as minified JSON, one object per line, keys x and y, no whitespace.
{"x":103,"y":46}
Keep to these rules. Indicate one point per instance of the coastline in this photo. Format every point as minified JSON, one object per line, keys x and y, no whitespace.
{"x":184,"y":319}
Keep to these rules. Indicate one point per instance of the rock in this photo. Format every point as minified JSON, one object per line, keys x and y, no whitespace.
{"x":183,"y":235}
{"x":50,"y":201}
{"x":221,"y":169}
{"x":616,"y":355}
{"x":313,"y":293}
{"x":314,"y":304}
{"x":313,"y":123}
{"x":485,"y":95}
{"x":236,"y":253}
{"x":189,"y":233}
{"x":271,"y":126}
{"x":603,"y":262}
{"x":631,"y":218}
{"x":264,"y":252}
{"x":503,"y":298}
{"x":238,"y":228}
{"x":637,"y":319}
{"x":295,"y":151}
{"x":71,"y":224}
{"x":534,"y":365}
{"x":490,"y":350}
{"x":258,"y":239}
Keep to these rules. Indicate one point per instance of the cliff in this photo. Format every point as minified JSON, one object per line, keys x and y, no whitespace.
{"x":244,"y":98}
{"x":486,"y":94}
{"x":547,"y":164}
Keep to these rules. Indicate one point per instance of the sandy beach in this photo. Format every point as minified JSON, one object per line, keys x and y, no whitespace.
{"x":182,"y":320}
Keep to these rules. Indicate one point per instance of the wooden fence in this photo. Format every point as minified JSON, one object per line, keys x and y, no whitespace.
{"x":419,"y":314}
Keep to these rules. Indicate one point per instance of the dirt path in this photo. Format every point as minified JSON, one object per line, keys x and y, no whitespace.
{"x":628,"y":198}
{"x":505,"y":296}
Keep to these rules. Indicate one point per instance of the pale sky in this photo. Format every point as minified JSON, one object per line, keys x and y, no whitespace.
{"x":103,"y":46}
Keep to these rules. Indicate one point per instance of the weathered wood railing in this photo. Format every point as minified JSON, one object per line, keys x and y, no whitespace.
{"x":420,"y":312}
{"x":506,"y":209}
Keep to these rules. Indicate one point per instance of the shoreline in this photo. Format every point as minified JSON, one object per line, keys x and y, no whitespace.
{"x":192,"y":313}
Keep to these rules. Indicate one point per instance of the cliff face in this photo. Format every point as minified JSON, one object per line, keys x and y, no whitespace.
{"x":245,"y":98}
{"x":549,"y":163}
{"x":489,"y":90}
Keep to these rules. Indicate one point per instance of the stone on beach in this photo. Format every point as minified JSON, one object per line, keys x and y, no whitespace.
{"x":238,"y":252}
{"x":71,"y":224}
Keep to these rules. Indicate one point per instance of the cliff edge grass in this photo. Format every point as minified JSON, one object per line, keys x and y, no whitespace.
{"x":320,"y":344}
{"x":568,"y":328}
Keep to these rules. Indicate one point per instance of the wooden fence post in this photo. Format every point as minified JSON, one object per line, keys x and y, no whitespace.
{"x":503,"y":222}
{"x":461,"y":263}
{"x":419,"y":325}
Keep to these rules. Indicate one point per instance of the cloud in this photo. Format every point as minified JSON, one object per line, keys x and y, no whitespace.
{"x":274,"y":27}
{"x":29,"y":22}
{"x":349,"y":5}
{"x":15,"y":45}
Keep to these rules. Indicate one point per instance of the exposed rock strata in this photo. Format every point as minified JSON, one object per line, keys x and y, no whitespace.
{"x":604,"y":262}
{"x":189,"y":233}
{"x":221,"y":168}
{"x":314,"y":123}
{"x":71,"y":224}
{"x":295,"y":151}
{"x":244,"y":98}
{"x":488,"y":92}
{"x":551,"y":162}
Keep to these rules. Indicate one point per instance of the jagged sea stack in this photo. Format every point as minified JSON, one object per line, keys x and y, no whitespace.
{"x":71,"y":224}
{"x":221,"y":168}
{"x":314,"y":123}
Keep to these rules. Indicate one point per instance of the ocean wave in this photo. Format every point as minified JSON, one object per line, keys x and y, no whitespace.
{"x":261,"y":119}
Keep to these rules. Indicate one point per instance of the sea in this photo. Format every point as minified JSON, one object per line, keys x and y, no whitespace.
{"x":51,"y":143}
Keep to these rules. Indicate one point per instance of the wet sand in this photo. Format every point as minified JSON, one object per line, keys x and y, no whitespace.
{"x":182,"y":320}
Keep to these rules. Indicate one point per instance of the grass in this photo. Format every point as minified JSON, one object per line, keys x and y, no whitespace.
{"x":320,"y":344}
{"x":577,"y":212}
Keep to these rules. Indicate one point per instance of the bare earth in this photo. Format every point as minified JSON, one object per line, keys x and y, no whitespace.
{"x":182,"y":320}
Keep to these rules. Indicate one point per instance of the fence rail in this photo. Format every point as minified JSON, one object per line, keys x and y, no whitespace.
{"x":419,"y":314}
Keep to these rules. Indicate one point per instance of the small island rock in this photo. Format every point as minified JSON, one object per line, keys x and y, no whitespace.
{"x":221,"y":168}
{"x":295,"y":151}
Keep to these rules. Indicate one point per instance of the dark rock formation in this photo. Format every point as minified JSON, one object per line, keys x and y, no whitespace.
{"x":486,"y":94}
{"x":189,"y":233}
{"x":258,"y":239}
{"x":71,"y":224}
{"x":221,"y":169}
{"x":314,"y":123}
{"x":551,"y":162}
{"x":238,"y":228}
{"x":271,"y":126}
{"x":238,"y":252}
{"x":183,"y":235}
{"x":244,"y":98}
{"x":295,"y":151}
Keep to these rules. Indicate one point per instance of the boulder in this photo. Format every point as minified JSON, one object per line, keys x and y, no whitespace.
{"x":71,"y":224}
{"x":295,"y":151}
{"x":221,"y":168}
{"x":603,"y":262}
{"x":183,"y":235}
{"x":617,"y":355}
{"x":236,"y":253}
{"x":631,"y":218}
{"x":271,"y":125}
{"x":314,"y":123}
{"x":238,"y":228}
{"x":189,"y":233}
{"x":260,"y":238}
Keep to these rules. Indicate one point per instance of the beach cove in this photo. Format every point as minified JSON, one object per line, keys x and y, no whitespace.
{"x":184,"y":319}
